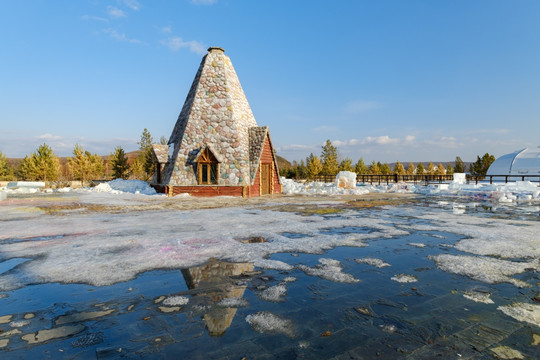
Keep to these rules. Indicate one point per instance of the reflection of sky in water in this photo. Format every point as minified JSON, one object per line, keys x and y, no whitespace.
{"x":194,"y":308}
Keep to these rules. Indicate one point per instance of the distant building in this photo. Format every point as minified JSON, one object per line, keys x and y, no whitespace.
{"x":521,"y":162}
{"x":216,"y":146}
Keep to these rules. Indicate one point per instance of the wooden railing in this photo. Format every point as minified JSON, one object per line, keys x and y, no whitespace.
{"x":392,"y":178}
{"x":430,"y":179}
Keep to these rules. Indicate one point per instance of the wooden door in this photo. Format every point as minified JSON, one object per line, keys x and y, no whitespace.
{"x":265,"y":178}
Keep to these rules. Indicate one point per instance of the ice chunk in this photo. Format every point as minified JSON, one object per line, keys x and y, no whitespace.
{"x":484,"y":269}
{"x":329,"y":269}
{"x":460,"y":178}
{"x":268,"y":323}
{"x":529,"y":313}
{"x":418,"y":245}
{"x":373,"y":262}
{"x":346,"y":180}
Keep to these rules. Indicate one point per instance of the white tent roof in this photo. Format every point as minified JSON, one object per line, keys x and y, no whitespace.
{"x":521,"y":162}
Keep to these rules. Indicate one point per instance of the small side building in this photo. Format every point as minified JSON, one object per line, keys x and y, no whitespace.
{"x":216,"y":146}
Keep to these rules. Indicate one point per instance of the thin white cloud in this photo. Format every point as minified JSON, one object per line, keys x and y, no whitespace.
{"x":380,"y":140}
{"x":120,"y":37}
{"x":204,"y":2}
{"x":360,"y":106}
{"x":176,"y":43}
{"x":132,"y":4}
{"x":49,"y":137}
{"x":166,"y":29}
{"x":115,"y":12}
{"x":95,"y":18}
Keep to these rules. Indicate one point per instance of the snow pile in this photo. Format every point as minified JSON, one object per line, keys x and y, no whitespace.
{"x":514,"y":192}
{"x":319,"y":188}
{"x":373,"y":262}
{"x":329,"y":269}
{"x":485,"y":269}
{"x":3,"y":195}
{"x":529,"y":313}
{"x":267,"y":323}
{"x":346,"y":180}
{"x":119,"y":186}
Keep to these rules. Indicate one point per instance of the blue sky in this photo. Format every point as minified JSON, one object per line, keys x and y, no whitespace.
{"x":384,"y":80}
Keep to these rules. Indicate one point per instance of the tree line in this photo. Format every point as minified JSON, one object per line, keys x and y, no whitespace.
{"x":328,"y":164}
{"x":44,"y":165}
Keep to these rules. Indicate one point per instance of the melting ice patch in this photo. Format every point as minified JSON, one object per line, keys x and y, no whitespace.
{"x":106,"y":248}
{"x":373,"y":262}
{"x":529,"y":313}
{"x":488,"y":270}
{"x":329,"y":269}
{"x":476,"y":296}
{"x":266,"y":322}
{"x":274,"y":293}
{"x":404,"y":278}
{"x":233,"y":302}
{"x":175,"y":301}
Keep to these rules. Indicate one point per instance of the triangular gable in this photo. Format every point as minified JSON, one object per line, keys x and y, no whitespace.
{"x":257,"y":138}
{"x":202,"y":152}
{"x":161,"y":153}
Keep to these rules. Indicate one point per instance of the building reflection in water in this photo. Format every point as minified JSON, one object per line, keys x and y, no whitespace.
{"x":214,"y":280}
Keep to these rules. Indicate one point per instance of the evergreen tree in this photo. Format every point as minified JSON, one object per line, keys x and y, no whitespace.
{"x":329,"y":158}
{"x":40,"y":165}
{"x":145,"y":157}
{"x":449,"y":170}
{"x":481,"y":165}
{"x":399,"y":169}
{"x":360,"y":168}
{"x":5,"y":169}
{"x":84,"y":166}
{"x":440,"y":169}
{"x":459,"y":166}
{"x":346,"y":165}
{"x":385,"y":169}
{"x":430,"y":168}
{"x":136,"y":170}
{"x":411,"y":169}
{"x":119,"y":163}
{"x":313,"y":166}
{"x":374,"y":168}
{"x":420,"y":169}
{"x":301,"y":170}
{"x":163,"y":140}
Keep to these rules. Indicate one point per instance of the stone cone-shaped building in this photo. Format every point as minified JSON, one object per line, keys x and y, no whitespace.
{"x":216,"y":146}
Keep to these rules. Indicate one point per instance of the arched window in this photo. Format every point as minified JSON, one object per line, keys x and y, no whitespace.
{"x":207,"y":168}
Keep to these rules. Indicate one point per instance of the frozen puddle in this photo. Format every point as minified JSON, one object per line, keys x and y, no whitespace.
{"x":297,"y":280}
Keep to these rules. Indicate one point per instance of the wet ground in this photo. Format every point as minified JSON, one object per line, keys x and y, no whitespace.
{"x":381,"y":297}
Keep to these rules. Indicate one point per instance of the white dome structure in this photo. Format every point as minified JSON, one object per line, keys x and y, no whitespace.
{"x":521,"y":162}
